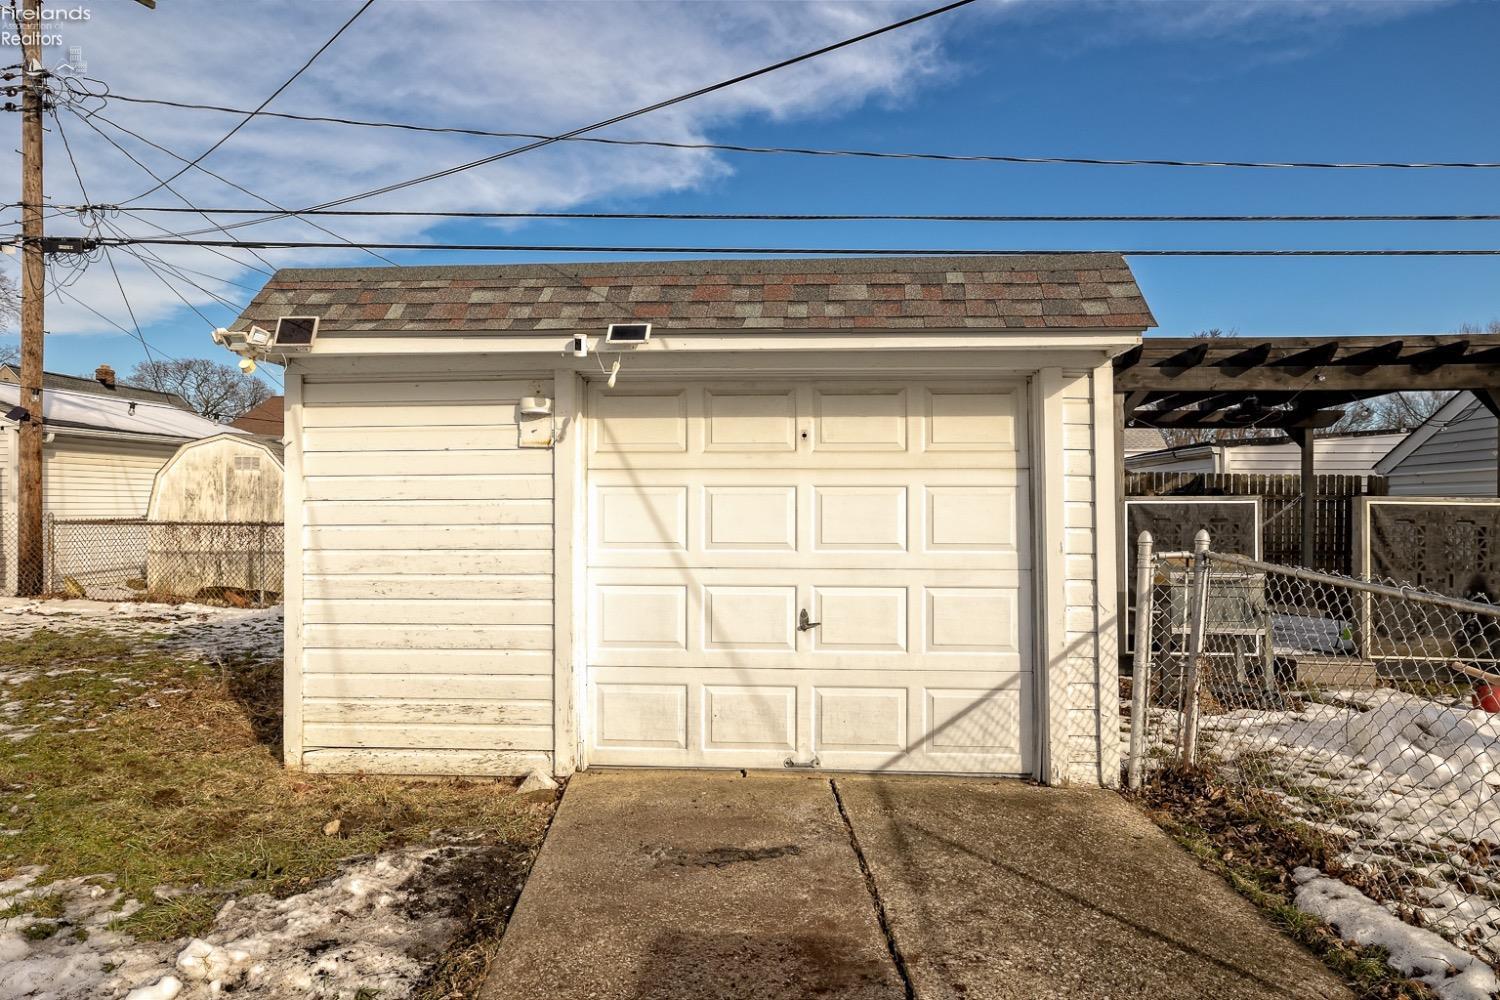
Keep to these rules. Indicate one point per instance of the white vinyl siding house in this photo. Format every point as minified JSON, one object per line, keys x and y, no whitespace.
{"x":768,"y":545}
{"x":1452,"y":454}
{"x":1334,"y":454}
{"x":100,"y":456}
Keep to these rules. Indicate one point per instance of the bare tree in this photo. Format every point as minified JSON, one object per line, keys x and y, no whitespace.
{"x":10,"y":354}
{"x":10,"y":302}
{"x":218,"y":391}
{"x":1404,"y":411}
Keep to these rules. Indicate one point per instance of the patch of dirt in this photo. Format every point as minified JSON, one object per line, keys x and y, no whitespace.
{"x":718,"y":857}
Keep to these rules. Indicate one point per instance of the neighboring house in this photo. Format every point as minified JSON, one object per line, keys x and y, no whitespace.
{"x":851,"y":514}
{"x":102,"y":384}
{"x":1139,"y":440}
{"x":264,"y":419}
{"x":100,"y":454}
{"x":1452,"y":454}
{"x":1353,"y":454}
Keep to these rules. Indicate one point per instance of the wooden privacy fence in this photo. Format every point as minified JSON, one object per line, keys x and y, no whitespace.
{"x":1281,"y":534}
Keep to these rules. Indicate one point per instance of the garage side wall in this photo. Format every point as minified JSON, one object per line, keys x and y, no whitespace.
{"x":1077,"y":496}
{"x":420,"y":625}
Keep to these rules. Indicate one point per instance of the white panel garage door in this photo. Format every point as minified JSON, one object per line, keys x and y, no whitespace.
{"x":891,"y":517}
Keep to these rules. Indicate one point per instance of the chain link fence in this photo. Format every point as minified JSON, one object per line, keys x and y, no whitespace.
{"x":123,"y":559}
{"x":1367,"y":714}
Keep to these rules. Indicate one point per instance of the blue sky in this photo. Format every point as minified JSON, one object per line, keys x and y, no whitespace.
{"x":1321,"y":80}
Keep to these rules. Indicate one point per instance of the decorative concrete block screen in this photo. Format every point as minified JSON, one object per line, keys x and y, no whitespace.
{"x":1445,"y":545}
{"x":1233,"y":522}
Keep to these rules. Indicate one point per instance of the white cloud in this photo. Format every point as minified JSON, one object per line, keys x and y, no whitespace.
{"x":504,"y":66}
{"x":527,"y":67}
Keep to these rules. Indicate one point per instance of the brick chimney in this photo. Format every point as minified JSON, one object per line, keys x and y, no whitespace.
{"x":105,"y":376}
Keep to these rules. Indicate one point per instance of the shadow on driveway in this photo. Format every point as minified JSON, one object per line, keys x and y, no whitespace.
{"x":696,"y":885}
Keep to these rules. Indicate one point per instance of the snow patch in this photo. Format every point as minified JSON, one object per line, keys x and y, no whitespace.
{"x":376,"y":926}
{"x":1419,"y":782}
{"x":1452,"y":974}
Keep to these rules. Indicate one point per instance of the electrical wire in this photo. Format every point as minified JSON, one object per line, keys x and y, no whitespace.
{"x":269,"y":268}
{"x":823,"y":217}
{"x":139,"y":255}
{"x":858,"y":153}
{"x":816,"y":251}
{"x":251,"y":115}
{"x":648,"y":109}
{"x":83,"y":189}
{"x":230,"y":183}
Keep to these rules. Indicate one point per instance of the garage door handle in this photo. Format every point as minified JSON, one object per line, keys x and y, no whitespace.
{"x":803,"y":624}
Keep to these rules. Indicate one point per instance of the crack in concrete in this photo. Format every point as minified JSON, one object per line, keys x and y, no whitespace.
{"x":881,"y":917}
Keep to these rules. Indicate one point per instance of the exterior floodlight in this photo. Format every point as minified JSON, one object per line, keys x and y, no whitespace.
{"x":258,"y":337}
{"x":221,"y":337}
{"x":247,"y":365}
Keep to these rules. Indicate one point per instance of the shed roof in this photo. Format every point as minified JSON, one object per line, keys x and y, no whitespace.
{"x":1071,"y":291}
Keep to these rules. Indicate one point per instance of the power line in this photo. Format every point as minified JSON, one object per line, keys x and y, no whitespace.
{"x":180,"y":197}
{"x":858,"y":153}
{"x":83,"y":189}
{"x":659,"y":105}
{"x":224,"y":180}
{"x":811,"y":251}
{"x":251,"y":115}
{"x":801,"y":217}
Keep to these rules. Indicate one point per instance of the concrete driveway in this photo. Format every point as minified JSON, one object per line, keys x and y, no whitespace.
{"x":676,"y":885}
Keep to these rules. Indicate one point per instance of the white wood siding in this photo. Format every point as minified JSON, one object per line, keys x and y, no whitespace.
{"x":1351,"y":456}
{"x":1459,"y":460}
{"x":1078,"y":686}
{"x":426,"y":542}
{"x":95,"y":477}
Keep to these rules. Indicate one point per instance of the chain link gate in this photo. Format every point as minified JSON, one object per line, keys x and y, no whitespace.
{"x":1368,"y":712}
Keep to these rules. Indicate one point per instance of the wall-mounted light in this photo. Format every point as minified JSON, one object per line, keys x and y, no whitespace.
{"x":536,"y":406}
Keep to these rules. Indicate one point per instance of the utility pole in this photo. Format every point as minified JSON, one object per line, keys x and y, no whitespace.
{"x":29,"y":543}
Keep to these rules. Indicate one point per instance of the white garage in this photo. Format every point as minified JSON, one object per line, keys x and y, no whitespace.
{"x":838,"y":514}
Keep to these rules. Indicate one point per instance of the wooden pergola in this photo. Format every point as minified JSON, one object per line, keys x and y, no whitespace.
{"x":1295,"y":384}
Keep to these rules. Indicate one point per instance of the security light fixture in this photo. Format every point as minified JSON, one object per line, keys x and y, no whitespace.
{"x":295,"y":333}
{"x":258,"y":338}
{"x":627,"y":334}
{"x":247,"y":365}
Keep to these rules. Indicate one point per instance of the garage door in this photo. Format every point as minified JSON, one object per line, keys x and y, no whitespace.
{"x":823,"y":573}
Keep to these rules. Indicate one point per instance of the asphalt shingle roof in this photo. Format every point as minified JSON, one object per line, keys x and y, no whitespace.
{"x":1077,"y":291}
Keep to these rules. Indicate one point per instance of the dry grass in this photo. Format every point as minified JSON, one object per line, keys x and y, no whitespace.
{"x":164,"y":772}
{"x":1254,"y":845}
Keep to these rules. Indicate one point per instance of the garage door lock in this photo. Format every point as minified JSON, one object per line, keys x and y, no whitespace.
{"x":803,"y":624}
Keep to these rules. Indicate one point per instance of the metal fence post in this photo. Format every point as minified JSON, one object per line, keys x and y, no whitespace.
{"x":1140,"y":670}
{"x":1197,"y":626}
{"x":49,"y":557}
